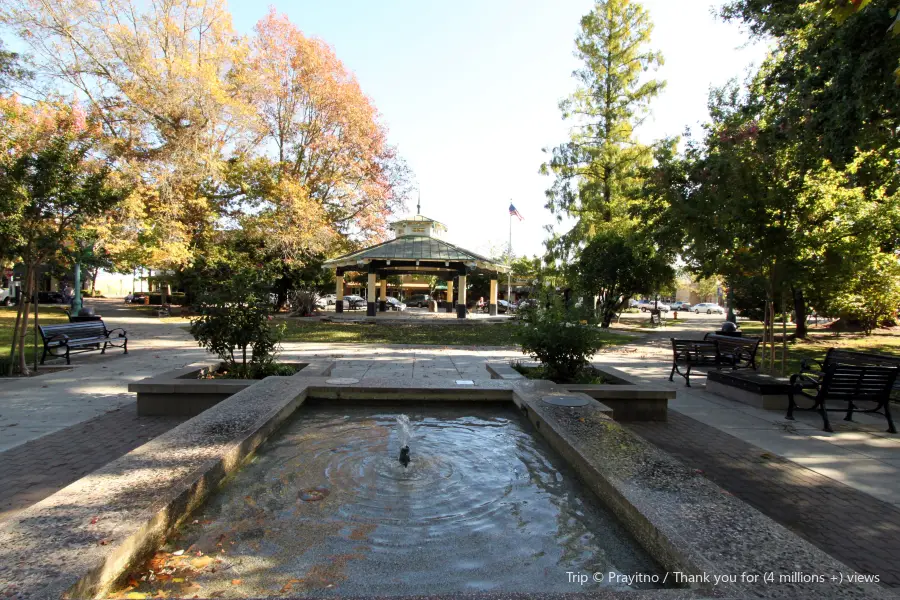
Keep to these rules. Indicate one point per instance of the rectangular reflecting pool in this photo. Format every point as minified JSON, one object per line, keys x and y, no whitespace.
{"x":326,"y":508}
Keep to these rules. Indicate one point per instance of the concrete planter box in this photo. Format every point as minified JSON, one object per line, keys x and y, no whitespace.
{"x":180,"y":393}
{"x":629,"y":399}
{"x":749,"y":387}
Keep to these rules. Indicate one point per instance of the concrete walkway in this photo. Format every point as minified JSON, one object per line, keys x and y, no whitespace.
{"x":36,"y":406}
{"x":860,"y":454}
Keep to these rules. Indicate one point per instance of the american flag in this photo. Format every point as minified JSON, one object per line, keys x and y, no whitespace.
{"x":513,"y":211}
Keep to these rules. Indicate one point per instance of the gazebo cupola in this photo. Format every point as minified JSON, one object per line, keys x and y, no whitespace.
{"x":416,"y":249}
{"x":418,"y":226}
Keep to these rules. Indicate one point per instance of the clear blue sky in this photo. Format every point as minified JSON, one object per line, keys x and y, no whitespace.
{"x":469,"y":91}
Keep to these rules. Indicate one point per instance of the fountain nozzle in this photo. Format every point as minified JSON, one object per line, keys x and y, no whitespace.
{"x":404,"y":455}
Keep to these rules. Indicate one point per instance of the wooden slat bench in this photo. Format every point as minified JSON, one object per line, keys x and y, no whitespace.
{"x":68,"y":338}
{"x":713,"y":352}
{"x":693,"y":353}
{"x":812,"y":371}
{"x":737,"y":352}
{"x":850,"y":384}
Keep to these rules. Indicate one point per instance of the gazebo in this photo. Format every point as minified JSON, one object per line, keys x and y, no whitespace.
{"x":415,"y":250}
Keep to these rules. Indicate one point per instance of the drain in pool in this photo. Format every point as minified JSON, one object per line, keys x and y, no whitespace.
{"x":480,"y":503}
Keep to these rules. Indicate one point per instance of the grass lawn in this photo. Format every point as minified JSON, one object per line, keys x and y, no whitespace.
{"x":502,"y":334}
{"x":47,"y":314}
{"x":884,"y":341}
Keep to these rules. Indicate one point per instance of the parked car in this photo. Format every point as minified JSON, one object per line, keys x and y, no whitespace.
{"x":329,"y":299}
{"x":321,"y":303}
{"x":6,"y":298}
{"x":51,"y":298}
{"x":355,"y":302}
{"x":708,"y":308}
{"x":505,"y":307}
{"x":679,"y":305}
{"x":418,"y":300}
{"x":394,"y":304}
{"x":647,"y":306}
{"x":632,"y":303}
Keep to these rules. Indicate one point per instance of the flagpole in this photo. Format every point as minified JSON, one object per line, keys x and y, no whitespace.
{"x":509,"y":260}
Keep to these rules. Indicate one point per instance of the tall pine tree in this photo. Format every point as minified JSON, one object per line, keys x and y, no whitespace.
{"x":598,"y":167}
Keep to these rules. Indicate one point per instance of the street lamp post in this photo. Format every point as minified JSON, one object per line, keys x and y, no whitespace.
{"x":76,"y":301}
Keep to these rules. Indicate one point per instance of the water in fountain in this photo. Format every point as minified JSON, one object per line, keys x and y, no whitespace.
{"x":325,"y":509}
{"x":403,"y":434}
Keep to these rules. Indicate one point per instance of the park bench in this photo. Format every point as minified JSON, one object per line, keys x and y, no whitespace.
{"x":850,"y":383}
{"x":68,"y":338}
{"x":736,"y":352}
{"x":713,"y":352}
{"x":693,"y":353}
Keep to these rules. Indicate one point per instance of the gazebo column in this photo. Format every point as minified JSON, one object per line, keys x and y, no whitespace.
{"x":382,"y":301}
{"x":450,"y":295}
{"x":370,"y":293}
{"x":461,"y":304}
{"x":492,"y":303}
{"x":339,"y":293}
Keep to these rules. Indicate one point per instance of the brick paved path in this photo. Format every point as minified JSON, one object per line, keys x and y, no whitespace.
{"x":34,"y":470}
{"x":851,"y":526}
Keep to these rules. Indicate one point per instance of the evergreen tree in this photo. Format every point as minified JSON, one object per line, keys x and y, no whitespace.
{"x":598,"y":167}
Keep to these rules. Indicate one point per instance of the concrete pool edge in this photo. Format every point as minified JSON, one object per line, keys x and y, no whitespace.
{"x":87,"y":534}
{"x":179,"y":393}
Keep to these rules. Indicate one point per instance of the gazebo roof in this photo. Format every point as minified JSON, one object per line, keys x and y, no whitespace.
{"x":415,"y":248}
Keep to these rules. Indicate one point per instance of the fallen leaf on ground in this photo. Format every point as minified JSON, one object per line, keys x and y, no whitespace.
{"x":235,"y":582}
{"x":199,"y":563}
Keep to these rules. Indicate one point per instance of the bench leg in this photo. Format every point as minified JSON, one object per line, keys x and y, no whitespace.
{"x":791,"y":405}
{"x":672,"y":373}
{"x":103,"y":350}
{"x":824,"y":414}
{"x":850,"y":407}
{"x":44,"y":355}
{"x":890,"y":420}
{"x":687,"y":377}
{"x":125,"y":346}
{"x":68,"y":362}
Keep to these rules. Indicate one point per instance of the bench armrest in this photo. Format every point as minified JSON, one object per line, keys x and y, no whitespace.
{"x":811,"y":365}
{"x":806,"y":380}
{"x":57,"y":337}
{"x":109,"y":332}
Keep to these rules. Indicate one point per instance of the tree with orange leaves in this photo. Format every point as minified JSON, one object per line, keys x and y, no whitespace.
{"x":326,"y":134}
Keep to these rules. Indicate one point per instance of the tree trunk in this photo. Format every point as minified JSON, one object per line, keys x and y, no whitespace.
{"x":94,"y":274}
{"x":799,"y":312}
{"x":30,"y":293}
{"x":35,"y":361}
{"x":15,"y":337}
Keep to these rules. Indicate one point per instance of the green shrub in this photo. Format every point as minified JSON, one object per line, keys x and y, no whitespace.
{"x":234,"y":322}
{"x":561,"y":343}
